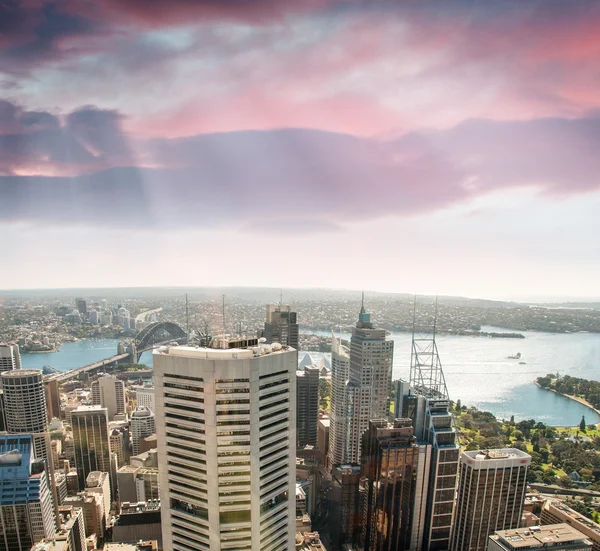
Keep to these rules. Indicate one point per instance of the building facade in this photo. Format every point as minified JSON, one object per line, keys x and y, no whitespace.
{"x":390,"y":456}
{"x":369,"y":381}
{"x":91,"y":442}
{"x":10,"y":358}
{"x":145,"y":397}
{"x":226,"y":429}
{"x":491,"y":494}
{"x":142,"y":425}
{"x":307,"y":406}
{"x":109,"y":392}
{"x":26,"y":503}
{"x":340,"y":366}
{"x":281,"y":325}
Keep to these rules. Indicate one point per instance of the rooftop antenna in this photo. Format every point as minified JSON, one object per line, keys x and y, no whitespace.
{"x":223,"y":313}
{"x":362,"y":303}
{"x":187,"y":319}
{"x":426,"y":373}
{"x":280,"y":298}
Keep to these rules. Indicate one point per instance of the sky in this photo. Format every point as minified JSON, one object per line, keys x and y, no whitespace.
{"x":421,"y":147}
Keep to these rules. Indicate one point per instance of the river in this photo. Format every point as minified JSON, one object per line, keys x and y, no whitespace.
{"x":477,"y":369}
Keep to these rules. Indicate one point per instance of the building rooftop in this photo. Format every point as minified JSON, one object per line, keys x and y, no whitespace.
{"x":21,"y":373}
{"x":80,"y":409}
{"x":226,"y":348}
{"x":95,"y":479}
{"x":141,"y":412}
{"x":539,"y":536}
{"x":128,"y":508}
{"x":484,"y":459}
{"x":571,"y":513}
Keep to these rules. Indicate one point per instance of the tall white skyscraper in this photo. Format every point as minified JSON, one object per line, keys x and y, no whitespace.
{"x":226,"y":428}
{"x":369,"y":381}
{"x":340,"y":365}
{"x":142,"y":425}
{"x":109,"y":392}
{"x":9,"y":357}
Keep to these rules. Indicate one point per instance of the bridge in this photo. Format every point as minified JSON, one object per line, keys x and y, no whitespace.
{"x":152,"y":336}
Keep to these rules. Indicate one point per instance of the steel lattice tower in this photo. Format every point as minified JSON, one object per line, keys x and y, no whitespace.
{"x":426,"y":373}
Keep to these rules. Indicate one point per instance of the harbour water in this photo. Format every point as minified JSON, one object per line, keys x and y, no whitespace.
{"x":478,"y":370}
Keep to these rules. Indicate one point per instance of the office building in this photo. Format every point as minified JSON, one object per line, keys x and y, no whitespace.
{"x":281,"y":325}
{"x":81,"y":305}
{"x":345,"y":505}
{"x":557,"y":512}
{"x":555,"y":536}
{"x":25,"y":412}
{"x":10,"y":358}
{"x":491,"y":493}
{"x":307,"y":406}
{"x":142,"y":425}
{"x":226,"y":429}
{"x":323,"y":440}
{"x":369,"y":381}
{"x":116,"y":446}
{"x":425,"y":400}
{"x":109,"y":392}
{"x":138,"y":521}
{"x":390,"y":456}
{"x":137,"y":484}
{"x":145,"y":397}
{"x":26,"y":504}
{"x":99,"y":483}
{"x":90,"y":441}
{"x":338,"y":425}
{"x":148,"y":443}
{"x":72,"y":481}
{"x":60,"y":481}
{"x":52,"y":391}
{"x":71,"y":533}
{"x":93,"y":513}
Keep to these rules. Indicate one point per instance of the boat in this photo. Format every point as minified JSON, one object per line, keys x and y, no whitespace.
{"x":521,"y":363}
{"x":517,"y":356}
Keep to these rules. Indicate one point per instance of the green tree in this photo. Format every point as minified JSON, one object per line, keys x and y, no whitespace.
{"x":582,"y":424}
{"x":458,"y":407}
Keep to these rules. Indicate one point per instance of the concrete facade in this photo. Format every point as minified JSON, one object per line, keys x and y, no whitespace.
{"x":226,"y":429}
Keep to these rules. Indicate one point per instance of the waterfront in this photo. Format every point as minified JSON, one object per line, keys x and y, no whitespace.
{"x":478,"y":371}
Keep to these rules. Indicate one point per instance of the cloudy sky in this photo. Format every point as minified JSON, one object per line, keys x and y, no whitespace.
{"x":433,"y":147}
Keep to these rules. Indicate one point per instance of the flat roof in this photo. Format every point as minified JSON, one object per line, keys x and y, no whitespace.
{"x":540,"y":536}
{"x":22,"y":373}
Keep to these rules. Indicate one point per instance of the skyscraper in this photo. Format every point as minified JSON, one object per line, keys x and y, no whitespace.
{"x":390,"y":456}
{"x":90,"y":441}
{"x":26,"y":411}
{"x":109,"y":392}
{"x":142,"y":425}
{"x":369,"y":381}
{"x":491,"y":493}
{"x":428,"y":405}
{"x":9,"y":357}
{"x":307,"y":406}
{"x":26,"y":506}
{"x":81,"y":305}
{"x":226,"y":428}
{"x":340,"y":365}
{"x":281,"y":325}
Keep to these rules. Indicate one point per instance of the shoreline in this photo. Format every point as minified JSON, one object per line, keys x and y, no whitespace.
{"x":571,"y":397}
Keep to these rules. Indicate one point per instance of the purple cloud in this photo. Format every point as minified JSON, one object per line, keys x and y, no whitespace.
{"x":305,"y":177}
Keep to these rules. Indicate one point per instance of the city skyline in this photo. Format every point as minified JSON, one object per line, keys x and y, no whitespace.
{"x":455,"y":138}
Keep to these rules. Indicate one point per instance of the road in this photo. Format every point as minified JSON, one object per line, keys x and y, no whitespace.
{"x":142,"y":317}
{"x":62,"y":377}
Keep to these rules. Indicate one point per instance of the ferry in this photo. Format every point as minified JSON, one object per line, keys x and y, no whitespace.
{"x":517,"y":356}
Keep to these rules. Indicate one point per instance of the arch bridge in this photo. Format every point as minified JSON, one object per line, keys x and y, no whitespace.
{"x":157,"y":334}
